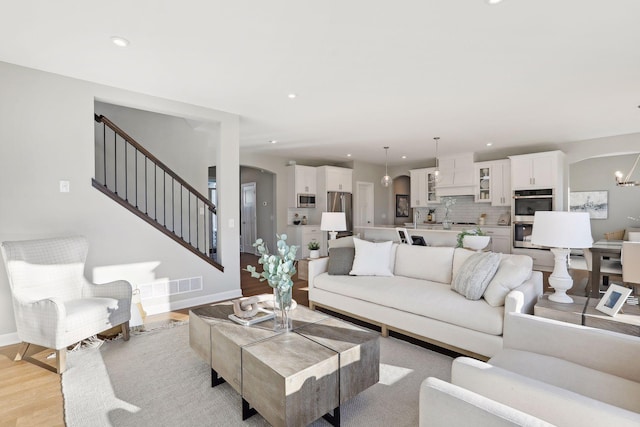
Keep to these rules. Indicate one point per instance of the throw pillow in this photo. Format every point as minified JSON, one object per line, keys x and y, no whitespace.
{"x":475,"y":274}
{"x":512,"y":272}
{"x":342,"y":242}
{"x":371,"y":259}
{"x":340,"y":261}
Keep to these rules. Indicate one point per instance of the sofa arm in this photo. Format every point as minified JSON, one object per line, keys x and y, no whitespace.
{"x":446,"y":405}
{"x":553,"y":404}
{"x":523,"y":298}
{"x":317,"y":266}
{"x":589,"y":347}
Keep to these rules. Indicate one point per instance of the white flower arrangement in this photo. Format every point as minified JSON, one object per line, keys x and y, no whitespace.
{"x":448,"y":203}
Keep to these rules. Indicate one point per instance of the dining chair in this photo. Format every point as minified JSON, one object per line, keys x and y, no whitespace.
{"x":54,"y":305}
{"x":608,"y":267}
{"x":631,"y":264}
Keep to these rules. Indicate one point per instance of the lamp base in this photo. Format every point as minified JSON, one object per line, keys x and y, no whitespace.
{"x":560,"y":280}
{"x":333,"y":235}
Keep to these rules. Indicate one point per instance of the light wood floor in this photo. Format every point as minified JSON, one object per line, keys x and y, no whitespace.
{"x":32,"y":396}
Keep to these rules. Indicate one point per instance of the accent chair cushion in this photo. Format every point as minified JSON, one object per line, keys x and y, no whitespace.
{"x":475,"y":274}
{"x":340,"y":260}
{"x":371,"y":259}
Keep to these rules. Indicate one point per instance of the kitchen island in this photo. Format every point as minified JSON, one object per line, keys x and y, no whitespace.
{"x":435,"y":235}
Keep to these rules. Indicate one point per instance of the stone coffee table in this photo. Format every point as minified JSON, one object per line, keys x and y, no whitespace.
{"x":290,"y":378}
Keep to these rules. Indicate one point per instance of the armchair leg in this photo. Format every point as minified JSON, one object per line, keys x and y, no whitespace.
{"x":22,"y":352}
{"x":61,"y":360}
{"x":125,"y":331}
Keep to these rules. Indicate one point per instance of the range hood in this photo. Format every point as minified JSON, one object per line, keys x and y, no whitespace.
{"x":463,"y":190}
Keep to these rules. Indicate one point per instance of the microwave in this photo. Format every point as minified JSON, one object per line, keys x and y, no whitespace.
{"x":306,"y":200}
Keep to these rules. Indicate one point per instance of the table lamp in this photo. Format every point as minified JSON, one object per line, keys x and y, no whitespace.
{"x":333,"y":222}
{"x":560,"y":231}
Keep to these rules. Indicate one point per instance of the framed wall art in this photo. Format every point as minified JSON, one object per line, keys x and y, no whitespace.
{"x":596,"y":203}
{"x":402,"y":206}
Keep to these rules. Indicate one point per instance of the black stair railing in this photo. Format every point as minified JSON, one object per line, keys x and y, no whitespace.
{"x":132,"y":176}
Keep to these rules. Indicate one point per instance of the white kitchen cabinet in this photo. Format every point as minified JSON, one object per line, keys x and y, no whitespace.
{"x":418,"y":188}
{"x":501,"y":183}
{"x":335,"y":178}
{"x":483,"y":176}
{"x":301,"y":180}
{"x":538,"y":170}
{"x":423,"y":188}
{"x":301,"y":235}
{"x":500,"y":238}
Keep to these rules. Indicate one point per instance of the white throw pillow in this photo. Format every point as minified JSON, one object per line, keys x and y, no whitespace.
{"x":512,"y":272}
{"x":475,"y":274}
{"x":371,"y":259}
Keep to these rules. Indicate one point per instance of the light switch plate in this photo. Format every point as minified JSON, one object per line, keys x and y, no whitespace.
{"x":64,"y":187}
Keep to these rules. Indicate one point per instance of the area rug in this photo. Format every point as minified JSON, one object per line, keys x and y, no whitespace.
{"x":155,"y":379}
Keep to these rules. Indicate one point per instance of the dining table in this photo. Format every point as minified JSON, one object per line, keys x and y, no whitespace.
{"x":600,"y":249}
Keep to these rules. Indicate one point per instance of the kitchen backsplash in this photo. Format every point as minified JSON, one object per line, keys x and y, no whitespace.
{"x":465,"y":210}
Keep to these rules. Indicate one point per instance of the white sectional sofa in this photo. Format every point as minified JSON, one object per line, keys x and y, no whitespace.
{"x":549,"y":373}
{"x":418,"y":299}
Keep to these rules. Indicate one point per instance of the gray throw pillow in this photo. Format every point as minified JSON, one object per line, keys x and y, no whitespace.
{"x":340,"y":261}
{"x":475,"y":274}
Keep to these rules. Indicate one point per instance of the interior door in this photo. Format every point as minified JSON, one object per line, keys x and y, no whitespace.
{"x":248,"y":227}
{"x":363,"y":204}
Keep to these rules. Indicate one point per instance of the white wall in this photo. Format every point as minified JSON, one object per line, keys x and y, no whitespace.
{"x":47,"y":135}
{"x":596,"y":174}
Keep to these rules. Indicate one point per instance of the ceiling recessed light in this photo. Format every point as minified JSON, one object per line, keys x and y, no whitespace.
{"x":349,"y":155}
{"x":494,"y":1}
{"x":404,"y":157}
{"x":119,"y":41}
{"x":489,"y":144}
{"x":273,"y":141}
{"x":292,"y":95}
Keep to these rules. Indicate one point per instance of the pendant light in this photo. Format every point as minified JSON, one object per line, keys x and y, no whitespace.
{"x":623,"y":181}
{"x":436,"y":173}
{"x":386,"y":179}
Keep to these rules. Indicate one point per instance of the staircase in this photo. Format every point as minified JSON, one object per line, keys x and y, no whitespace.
{"x":137,"y":180}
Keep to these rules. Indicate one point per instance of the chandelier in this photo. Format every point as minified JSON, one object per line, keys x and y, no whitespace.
{"x":624,"y":181}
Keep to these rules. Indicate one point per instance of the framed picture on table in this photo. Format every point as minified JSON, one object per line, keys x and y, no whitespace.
{"x":402,"y":205}
{"x":613,"y":299}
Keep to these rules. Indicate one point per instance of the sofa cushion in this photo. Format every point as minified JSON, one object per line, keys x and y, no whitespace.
{"x":475,"y":274}
{"x":567,"y":375}
{"x":512,"y":272}
{"x":421,"y":297}
{"x":371,"y":258}
{"x":424,"y":262}
{"x":340,"y":260}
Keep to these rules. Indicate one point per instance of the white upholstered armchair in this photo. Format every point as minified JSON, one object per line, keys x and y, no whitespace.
{"x":54,"y":305}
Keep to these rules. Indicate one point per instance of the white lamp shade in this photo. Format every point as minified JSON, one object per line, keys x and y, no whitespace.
{"x":559,"y":229}
{"x":333,"y":221}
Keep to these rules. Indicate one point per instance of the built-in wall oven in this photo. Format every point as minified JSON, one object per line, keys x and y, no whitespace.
{"x":525,"y":204}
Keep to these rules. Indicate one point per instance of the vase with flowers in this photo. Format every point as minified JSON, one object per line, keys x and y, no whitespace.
{"x":448,"y":203}
{"x":278,"y":269}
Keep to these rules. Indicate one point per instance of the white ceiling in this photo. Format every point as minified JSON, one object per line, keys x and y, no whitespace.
{"x":368,"y":73}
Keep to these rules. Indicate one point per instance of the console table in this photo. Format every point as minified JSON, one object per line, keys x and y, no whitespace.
{"x":583,"y":312}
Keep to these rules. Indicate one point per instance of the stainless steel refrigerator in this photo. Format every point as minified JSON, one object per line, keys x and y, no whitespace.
{"x":338,"y":201}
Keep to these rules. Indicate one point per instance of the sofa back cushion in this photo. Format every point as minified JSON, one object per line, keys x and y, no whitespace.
{"x":424,"y":262}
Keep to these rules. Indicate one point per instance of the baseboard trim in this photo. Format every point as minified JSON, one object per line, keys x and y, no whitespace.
{"x":9,"y":339}
{"x":151,"y":309}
